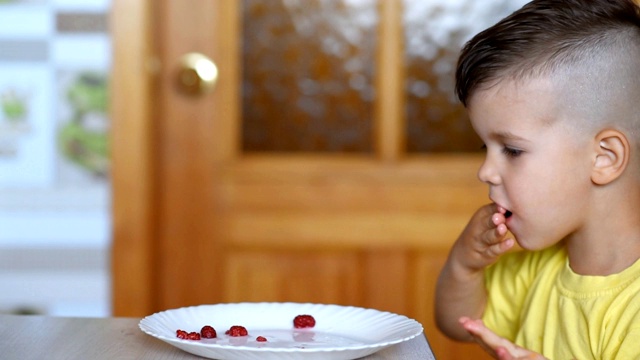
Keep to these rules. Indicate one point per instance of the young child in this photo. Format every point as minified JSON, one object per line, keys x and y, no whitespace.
{"x":553,"y":90}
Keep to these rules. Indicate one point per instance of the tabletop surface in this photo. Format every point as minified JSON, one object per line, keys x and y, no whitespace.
{"x":44,"y":337}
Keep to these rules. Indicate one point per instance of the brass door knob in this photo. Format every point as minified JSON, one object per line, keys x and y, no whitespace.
{"x":197,"y":74}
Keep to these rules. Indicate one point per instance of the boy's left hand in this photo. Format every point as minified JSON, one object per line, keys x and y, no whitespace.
{"x":497,"y":346}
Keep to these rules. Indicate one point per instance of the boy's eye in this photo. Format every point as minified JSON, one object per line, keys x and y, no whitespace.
{"x":511,"y":151}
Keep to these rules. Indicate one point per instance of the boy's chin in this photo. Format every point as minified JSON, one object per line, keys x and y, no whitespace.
{"x":529,"y":245}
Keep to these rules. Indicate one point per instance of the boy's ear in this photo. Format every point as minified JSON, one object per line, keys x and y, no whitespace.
{"x":611,"y":156}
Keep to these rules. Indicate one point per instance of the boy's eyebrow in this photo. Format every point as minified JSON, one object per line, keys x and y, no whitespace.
{"x":506,"y":135}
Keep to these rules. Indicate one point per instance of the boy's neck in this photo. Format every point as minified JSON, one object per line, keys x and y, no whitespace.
{"x":603,"y":262}
{"x":610,"y":241}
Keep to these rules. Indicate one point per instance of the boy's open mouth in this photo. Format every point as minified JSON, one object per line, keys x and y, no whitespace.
{"x":507,"y":214}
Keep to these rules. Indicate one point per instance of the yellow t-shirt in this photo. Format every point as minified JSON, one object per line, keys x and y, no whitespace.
{"x":538,"y":302}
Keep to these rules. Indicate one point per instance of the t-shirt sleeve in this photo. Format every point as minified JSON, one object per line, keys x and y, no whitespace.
{"x":507,"y":283}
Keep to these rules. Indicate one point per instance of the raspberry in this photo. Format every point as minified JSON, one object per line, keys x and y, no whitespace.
{"x":304,"y":321}
{"x":208,"y":332}
{"x":193,"y":336}
{"x":181,"y":334}
{"x":237,"y":330}
{"x":261,"y":339}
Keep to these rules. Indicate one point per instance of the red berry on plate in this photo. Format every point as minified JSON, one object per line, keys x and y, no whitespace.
{"x":304,"y":321}
{"x":237,"y":330}
{"x":181,"y":334}
{"x":208,"y":332}
{"x":193,"y":336}
{"x":261,"y":339}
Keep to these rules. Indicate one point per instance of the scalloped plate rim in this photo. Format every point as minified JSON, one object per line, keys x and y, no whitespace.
{"x":413,"y":329}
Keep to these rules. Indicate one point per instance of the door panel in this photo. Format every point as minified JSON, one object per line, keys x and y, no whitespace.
{"x":295,"y":275}
{"x":198,"y":220}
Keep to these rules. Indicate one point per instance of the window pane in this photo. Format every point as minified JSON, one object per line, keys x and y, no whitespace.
{"x":308,"y":75}
{"x":435,"y":31}
{"x":55,"y":223}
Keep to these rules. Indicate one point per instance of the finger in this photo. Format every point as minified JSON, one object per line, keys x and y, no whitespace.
{"x":497,"y":219}
{"x":477,"y":328}
{"x":501,"y":230}
{"x":493,"y":219}
{"x":494,"y":236}
{"x":489,"y":237}
{"x":494,"y":344}
{"x":503,"y":354}
{"x":500,"y":248}
{"x":478,"y":340}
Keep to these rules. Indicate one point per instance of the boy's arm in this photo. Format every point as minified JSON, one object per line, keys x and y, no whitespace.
{"x":460,"y":291}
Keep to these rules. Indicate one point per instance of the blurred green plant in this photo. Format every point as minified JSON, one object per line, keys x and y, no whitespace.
{"x":88,"y":93}
{"x":81,"y":140}
{"x":14,"y":107}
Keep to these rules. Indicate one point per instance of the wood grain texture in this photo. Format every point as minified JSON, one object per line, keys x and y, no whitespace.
{"x":132,"y":157}
{"x":389,"y":109}
{"x":189,"y":144}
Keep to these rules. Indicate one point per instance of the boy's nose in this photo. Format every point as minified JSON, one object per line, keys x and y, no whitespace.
{"x":488,"y":174}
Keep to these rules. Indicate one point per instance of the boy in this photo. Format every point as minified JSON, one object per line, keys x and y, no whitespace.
{"x":553,"y":90}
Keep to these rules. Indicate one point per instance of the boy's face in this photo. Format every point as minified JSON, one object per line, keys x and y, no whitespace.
{"x":537,"y":165}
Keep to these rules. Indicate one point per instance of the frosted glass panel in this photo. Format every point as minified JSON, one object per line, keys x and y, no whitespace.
{"x":435,"y":31}
{"x":308,"y":71}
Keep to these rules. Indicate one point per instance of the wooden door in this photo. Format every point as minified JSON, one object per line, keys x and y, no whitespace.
{"x":199,"y":220}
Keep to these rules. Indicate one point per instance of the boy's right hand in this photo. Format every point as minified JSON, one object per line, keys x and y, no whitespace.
{"x":460,"y":289}
{"x":483,"y":240}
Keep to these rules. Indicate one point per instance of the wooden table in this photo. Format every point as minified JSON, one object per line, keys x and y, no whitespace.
{"x":26,"y":337}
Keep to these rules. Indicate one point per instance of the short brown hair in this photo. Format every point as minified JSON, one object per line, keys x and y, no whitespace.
{"x":545,"y":35}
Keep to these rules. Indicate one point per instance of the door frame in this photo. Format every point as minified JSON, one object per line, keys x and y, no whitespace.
{"x":133,"y":162}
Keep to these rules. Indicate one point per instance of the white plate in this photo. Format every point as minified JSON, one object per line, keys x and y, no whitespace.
{"x":341,"y":332}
